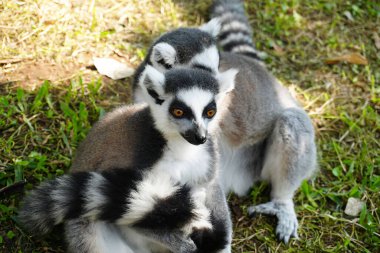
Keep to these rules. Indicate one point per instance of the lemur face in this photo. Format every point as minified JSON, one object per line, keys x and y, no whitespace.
{"x":191,"y":111}
{"x":183,"y":101}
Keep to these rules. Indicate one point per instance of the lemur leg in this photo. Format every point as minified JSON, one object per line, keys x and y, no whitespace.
{"x":84,"y":236}
{"x":220,"y":216}
{"x":290,"y":158}
{"x":101,"y":237}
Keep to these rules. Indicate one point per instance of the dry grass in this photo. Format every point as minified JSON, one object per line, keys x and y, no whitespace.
{"x":56,"y":40}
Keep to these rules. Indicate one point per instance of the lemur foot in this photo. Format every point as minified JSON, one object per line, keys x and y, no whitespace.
{"x":287,"y":220}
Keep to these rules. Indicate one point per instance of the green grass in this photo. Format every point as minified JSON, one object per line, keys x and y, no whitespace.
{"x":41,"y":127}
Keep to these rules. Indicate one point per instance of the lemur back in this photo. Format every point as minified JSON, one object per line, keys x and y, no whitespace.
{"x":145,"y":173}
{"x":114,"y":134}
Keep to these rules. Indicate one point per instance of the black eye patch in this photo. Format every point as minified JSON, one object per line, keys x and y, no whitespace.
{"x":203,"y":67}
{"x":156,"y":97}
{"x":210,"y":106}
{"x":178,"y":104}
{"x":163,"y":63}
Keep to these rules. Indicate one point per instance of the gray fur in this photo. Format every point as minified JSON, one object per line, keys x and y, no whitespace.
{"x":176,"y":240}
{"x":117,"y":137}
{"x":214,"y":199}
{"x":260,"y":112}
{"x":94,"y":240}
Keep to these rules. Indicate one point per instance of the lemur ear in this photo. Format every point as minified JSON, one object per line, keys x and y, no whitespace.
{"x":226,"y":81}
{"x":152,"y":81}
{"x":163,"y":54}
{"x":212,"y":27}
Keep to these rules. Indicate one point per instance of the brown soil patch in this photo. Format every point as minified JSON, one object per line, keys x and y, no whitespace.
{"x":32,"y":73}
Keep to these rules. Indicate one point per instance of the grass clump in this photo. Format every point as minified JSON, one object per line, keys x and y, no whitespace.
{"x":42,"y":122}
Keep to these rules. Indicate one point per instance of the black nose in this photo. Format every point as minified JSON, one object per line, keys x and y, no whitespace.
{"x":200,"y":139}
{"x":194,"y":138}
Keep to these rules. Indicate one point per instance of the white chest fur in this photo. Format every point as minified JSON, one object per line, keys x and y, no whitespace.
{"x":235,"y":176}
{"x":186,"y":163}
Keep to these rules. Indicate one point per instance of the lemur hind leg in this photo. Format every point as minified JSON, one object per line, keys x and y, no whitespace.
{"x":85,"y":236}
{"x":290,"y":157}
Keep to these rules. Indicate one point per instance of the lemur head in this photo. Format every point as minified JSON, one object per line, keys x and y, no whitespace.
{"x":194,"y":47}
{"x":190,"y":47}
{"x":184,"y":101}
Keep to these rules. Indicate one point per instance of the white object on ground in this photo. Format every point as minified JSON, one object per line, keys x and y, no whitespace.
{"x":354,"y":207}
{"x":112,"y":68}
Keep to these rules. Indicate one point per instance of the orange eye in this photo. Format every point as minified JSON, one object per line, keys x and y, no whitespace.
{"x":211,"y":113}
{"x":177,"y":113}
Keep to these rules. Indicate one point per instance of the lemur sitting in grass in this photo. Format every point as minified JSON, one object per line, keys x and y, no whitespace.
{"x":164,"y":196}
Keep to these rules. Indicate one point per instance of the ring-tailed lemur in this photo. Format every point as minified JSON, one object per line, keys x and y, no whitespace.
{"x":165,"y":194}
{"x":264,"y":133}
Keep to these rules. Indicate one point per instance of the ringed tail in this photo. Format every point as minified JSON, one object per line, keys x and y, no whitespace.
{"x":121,"y":196}
{"x":236,"y":34}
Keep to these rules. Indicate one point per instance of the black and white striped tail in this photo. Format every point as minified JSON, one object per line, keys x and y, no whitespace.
{"x":235,"y":35}
{"x":119,"y":196}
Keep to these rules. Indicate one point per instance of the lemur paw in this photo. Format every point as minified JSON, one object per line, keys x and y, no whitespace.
{"x":188,"y":246}
{"x":287,"y":220}
{"x":286,"y":227}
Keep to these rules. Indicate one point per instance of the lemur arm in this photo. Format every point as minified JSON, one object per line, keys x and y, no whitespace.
{"x":219,"y":238}
{"x":177,"y":240}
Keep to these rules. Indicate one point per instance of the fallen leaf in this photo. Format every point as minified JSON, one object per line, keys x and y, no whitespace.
{"x":354,"y":207}
{"x":353,"y":58}
{"x":376,"y":38}
{"x":112,"y":68}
